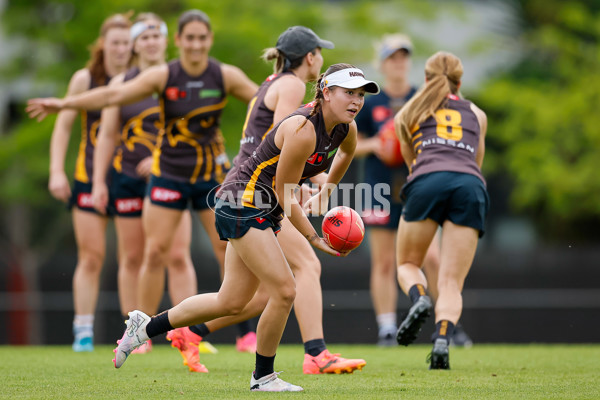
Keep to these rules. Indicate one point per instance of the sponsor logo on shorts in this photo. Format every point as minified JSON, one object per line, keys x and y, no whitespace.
{"x":164,"y":195}
{"x":260,"y":220}
{"x":130,"y":205}
{"x":84,"y":200}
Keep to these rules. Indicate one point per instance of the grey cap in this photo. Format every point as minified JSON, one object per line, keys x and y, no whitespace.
{"x":296,"y":41}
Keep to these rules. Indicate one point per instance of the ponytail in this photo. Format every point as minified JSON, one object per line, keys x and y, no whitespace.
{"x":443,"y":72}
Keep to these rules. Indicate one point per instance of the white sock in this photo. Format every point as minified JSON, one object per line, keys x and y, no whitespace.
{"x":83,"y":325}
{"x":387,"y":323}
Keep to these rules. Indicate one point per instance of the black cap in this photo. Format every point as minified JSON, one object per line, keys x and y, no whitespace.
{"x":296,"y":41}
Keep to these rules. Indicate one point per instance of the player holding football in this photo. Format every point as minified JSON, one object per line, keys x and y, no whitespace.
{"x":298,"y":60}
{"x":248,"y":215}
{"x":443,"y":142}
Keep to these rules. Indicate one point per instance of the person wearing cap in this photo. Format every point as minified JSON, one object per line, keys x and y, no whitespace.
{"x":443,"y":142}
{"x":135,"y":128}
{"x":190,"y":158}
{"x":298,"y":60}
{"x":393,"y":60}
{"x":250,"y":205}
{"x":109,"y":56}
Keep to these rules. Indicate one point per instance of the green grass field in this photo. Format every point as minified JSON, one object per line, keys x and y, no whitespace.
{"x":482,"y":372}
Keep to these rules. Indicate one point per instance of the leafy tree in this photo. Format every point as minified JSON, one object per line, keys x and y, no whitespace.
{"x":543,"y":116}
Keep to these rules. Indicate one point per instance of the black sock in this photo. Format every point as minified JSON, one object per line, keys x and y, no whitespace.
{"x":264,"y":366}
{"x":444,"y":330}
{"x":244,"y":328}
{"x":200,"y":329}
{"x":415,"y":292}
{"x":315,"y":347}
{"x":159,"y":324}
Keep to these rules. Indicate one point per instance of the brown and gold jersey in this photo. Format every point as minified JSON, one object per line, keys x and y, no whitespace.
{"x":448,"y":141}
{"x":252,"y":183}
{"x":259,"y":120}
{"x":140,"y":124}
{"x":191,"y":146}
{"x":90,"y":125}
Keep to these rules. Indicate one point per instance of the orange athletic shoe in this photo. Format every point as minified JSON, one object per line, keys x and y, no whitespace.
{"x":327,"y":363}
{"x":186,"y":342}
{"x":247,"y":343}
{"x":143,"y":349}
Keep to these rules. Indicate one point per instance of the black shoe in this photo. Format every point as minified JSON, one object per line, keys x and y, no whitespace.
{"x":411,"y":325}
{"x":439,"y":358}
{"x":460,"y":337}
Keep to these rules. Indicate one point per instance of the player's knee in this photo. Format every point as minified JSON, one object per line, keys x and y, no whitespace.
{"x":90,"y":259}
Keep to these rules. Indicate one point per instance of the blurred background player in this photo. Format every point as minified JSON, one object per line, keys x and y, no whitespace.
{"x":298,"y":60}
{"x":443,"y":142}
{"x":135,"y":128}
{"x":190,"y":160}
{"x":109,"y":57}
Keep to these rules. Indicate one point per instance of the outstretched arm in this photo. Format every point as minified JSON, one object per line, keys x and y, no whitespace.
{"x":150,"y":81}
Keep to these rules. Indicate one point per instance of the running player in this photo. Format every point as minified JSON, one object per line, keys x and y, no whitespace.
{"x":443,"y":142}
{"x":109,"y":56}
{"x":250,"y":207}
{"x":298,"y":61}
{"x":135,"y":128}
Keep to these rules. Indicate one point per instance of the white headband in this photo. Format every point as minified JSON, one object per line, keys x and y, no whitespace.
{"x":349,"y":78}
{"x":139,"y":27}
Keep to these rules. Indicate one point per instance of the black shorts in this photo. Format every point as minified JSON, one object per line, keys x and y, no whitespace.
{"x":174,"y":194}
{"x":126,"y":195}
{"x":81,"y":197}
{"x":440,"y":196}
{"x":233,"y":222}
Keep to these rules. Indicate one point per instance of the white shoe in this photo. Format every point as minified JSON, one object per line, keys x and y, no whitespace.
{"x":135,"y":335}
{"x":272,"y":383}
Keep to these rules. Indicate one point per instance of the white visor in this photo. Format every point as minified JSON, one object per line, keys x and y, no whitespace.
{"x":350,"y":78}
{"x":140,"y":27}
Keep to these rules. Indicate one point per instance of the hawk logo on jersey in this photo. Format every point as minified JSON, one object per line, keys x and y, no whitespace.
{"x":316,"y":159}
{"x":173,"y":93}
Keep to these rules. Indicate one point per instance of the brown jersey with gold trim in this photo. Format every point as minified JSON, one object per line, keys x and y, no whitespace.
{"x":140,"y":124}
{"x":448,"y":141}
{"x":252,"y":183}
{"x":191,"y":147}
{"x":90,"y":125}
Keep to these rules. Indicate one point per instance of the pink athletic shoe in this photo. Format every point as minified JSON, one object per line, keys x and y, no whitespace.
{"x":247,"y":343}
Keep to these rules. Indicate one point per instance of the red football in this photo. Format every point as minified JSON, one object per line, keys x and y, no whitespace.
{"x":391,"y":154}
{"x":343,"y":228}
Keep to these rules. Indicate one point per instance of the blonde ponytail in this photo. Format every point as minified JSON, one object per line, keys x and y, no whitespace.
{"x":443,"y":72}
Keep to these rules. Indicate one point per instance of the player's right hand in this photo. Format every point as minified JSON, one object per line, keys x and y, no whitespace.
{"x":321,"y":244}
{"x":59,"y":187}
{"x":41,"y":107}
{"x":100,"y":197}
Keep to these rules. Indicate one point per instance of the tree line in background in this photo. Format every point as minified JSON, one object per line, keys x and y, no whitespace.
{"x":543,"y":137}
